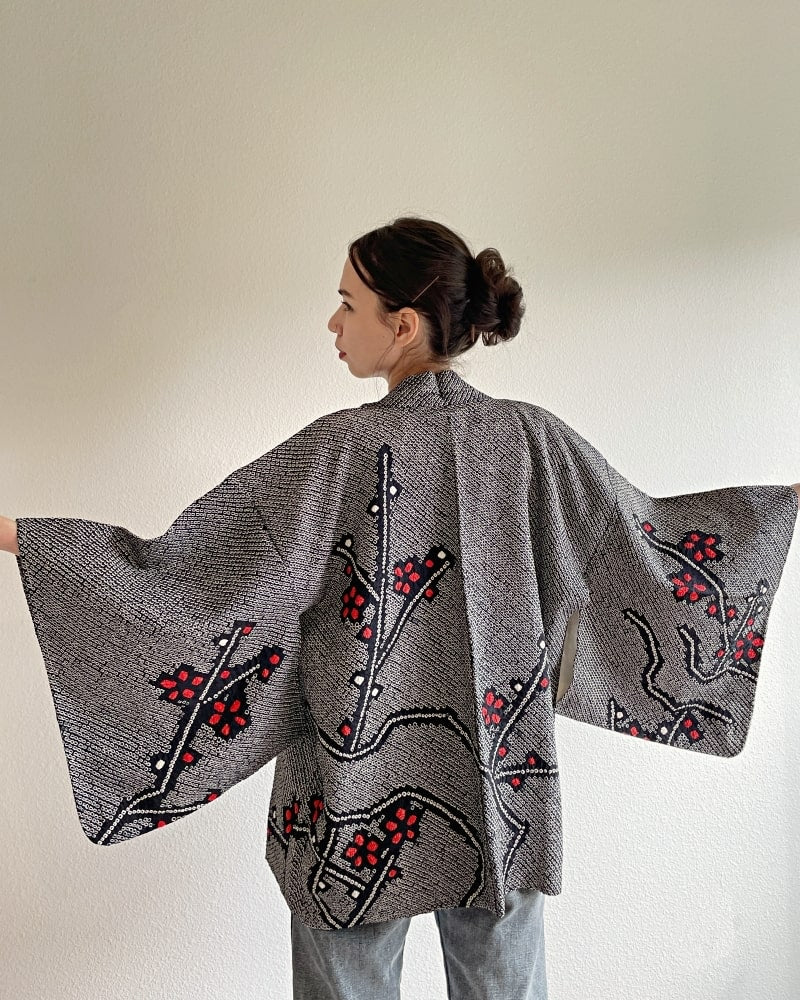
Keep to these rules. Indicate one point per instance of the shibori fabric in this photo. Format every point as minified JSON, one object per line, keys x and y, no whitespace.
{"x":381,"y":602}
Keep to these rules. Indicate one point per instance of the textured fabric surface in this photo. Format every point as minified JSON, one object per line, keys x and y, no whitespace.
{"x":380,"y":602}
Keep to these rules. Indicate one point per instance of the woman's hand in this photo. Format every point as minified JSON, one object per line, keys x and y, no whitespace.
{"x":8,"y":535}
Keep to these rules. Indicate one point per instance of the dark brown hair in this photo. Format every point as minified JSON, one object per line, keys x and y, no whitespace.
{"x":422,"y":264}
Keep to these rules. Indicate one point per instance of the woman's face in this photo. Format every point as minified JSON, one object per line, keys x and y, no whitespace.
{"x":369,"y":347}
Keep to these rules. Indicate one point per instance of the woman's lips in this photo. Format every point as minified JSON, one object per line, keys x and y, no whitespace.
{"x":341,"y":354}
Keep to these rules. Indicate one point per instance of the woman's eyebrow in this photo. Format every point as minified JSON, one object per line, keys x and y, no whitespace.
{"x":347,"y":294}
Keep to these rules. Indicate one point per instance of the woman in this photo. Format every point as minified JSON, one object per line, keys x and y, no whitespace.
{"x":384,"y":592}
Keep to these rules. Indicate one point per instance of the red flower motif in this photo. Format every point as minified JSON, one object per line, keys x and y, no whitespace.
{"x":407,"y":576}
{"x":493,"y":708}
{"x":181,"y":684}
{"x":402,"y":824}
{"x":316,"y":808}
{"x":701,"y":547}
{"x":749,"y":647}
{"x":355,"y":602}
{"x":363,"y":850}
{"x":227,"y":716}
{"x":224,"y":707}
{"x":689,"y":586}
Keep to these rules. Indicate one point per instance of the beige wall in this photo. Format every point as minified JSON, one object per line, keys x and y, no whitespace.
{"x":178,"y":183}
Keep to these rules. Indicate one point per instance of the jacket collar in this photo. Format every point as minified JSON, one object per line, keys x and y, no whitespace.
{"x":431,"y":389}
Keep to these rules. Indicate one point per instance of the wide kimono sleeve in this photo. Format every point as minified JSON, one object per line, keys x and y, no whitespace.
{"x":669,"y":597}
{"x":173,"y":661}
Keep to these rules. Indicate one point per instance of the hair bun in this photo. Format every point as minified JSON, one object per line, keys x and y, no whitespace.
{"x":495,"y":306}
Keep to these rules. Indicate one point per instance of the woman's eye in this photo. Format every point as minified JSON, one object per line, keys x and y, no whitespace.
{"x":344,"y":304}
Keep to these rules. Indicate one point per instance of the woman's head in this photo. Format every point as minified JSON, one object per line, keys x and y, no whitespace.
{"x":414,"y":297}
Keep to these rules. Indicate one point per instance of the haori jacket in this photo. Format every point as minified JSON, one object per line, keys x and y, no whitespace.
{"x":381,"y":603}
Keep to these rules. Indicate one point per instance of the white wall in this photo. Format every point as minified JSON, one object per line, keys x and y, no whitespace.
{"x":178,"y":183}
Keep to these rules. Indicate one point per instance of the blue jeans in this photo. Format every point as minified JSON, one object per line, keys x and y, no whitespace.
{"x":485,"y":957}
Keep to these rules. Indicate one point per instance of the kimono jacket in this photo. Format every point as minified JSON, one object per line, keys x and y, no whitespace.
{"x":380,"y":602}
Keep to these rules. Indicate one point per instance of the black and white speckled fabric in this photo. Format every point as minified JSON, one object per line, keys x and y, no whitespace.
{"x":381,"y":602}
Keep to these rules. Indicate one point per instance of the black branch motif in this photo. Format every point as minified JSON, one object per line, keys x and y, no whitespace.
{"x":740,"y":641}
{"x":362,"y":851}
{"x":359,"y":853}
{"x":500,"y":714}
{"x":216,"y":699}
{"x":365,"y":600}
